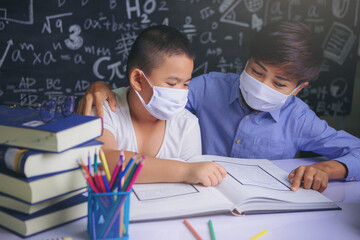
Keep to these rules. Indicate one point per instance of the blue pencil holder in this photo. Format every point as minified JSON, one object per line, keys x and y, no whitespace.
{"x":108,"y":215}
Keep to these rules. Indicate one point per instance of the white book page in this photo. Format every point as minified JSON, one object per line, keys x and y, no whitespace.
{"x":169,"y":200}
{"x":259,"y":179}
{"x":251,"y":184}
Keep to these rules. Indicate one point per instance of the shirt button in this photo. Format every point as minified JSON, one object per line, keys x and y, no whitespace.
{"x":238,"y":141}
{"x":352,"y":178}
{"x":247,"y":117}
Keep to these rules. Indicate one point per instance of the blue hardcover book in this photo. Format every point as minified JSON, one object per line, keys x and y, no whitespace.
{"x":63,"y":212}
{"x":31,"y":163}
{"x":37,"y":189}
{"x":22,"y":127}
{"x":11,"y":203}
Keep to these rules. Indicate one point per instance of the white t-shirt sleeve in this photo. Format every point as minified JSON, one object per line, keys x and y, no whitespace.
{"x":192,"y":141}
{"x":108,"y":121}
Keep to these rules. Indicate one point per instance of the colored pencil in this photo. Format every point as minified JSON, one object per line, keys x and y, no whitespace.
{"x":97,"y":183}
{"x":101,"y":181}
{"x":128,"y":165}
{"x":212,"y":232}
{"x":121,"y":176}
{"x":116,"y":171}
{"x":106,"y":183}
{"x":258,"y":235}
{"x":104,"y":162}
{"x":121,"y":185}
{"x":95,"y":162}
{"x":136,"y":174}
{"x":192,"y":230}
{"x":131,"y":174}
{"x":89,"y":164}
{"x":88,"y":179}
{"x":117,"y":207}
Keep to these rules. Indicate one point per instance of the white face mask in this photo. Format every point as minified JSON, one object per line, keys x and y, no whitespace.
{"x":165,"y":102}
{"x":259,"y":96}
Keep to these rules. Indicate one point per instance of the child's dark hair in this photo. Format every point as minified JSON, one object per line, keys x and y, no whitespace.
{"x":291,"y":46}
{"x":155,"y":42}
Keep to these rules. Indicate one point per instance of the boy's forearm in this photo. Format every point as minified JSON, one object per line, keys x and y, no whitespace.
{"x":162,"y":170}
{"x":154,"y":169}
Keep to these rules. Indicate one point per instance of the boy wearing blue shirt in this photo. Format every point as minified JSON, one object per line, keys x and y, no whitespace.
{"x":256,"y":114}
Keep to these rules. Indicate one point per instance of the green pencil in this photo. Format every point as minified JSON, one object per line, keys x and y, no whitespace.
{"x":128,"y":179}
{"x":212,"y":232}
{"x":95,"y":162}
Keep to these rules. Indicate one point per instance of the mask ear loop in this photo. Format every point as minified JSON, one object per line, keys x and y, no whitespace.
{"x":137,"y":93}
{"x":246,"y":64}
{"x":295,"y":90}
{"x":146,"y":78}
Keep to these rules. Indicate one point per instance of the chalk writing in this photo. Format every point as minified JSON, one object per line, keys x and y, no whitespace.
{"x":62,"y":46}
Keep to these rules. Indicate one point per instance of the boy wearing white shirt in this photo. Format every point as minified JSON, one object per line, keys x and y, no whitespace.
{"x":151,"y":118}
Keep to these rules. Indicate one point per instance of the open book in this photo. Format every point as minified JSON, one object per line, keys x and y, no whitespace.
{"x":252,"y":186}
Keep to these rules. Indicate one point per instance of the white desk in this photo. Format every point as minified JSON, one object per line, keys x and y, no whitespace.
{"x":344,"y":224}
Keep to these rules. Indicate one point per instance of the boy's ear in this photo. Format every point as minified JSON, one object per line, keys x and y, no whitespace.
{"x":302,"y":85}
{"x":135,"y":77}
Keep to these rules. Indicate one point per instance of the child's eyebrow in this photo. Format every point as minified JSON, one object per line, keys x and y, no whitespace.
{"x":260,"y":65}
{"x":277,"y":76}
{"x":178,"y":79}
{"x":282,"y":78}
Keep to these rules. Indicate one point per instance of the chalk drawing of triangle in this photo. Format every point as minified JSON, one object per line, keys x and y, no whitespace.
{"x":230,"y":16}
{"x":202,"y":69}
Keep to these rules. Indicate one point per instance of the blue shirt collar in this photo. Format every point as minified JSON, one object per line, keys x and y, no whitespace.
{"x":235,"y":92}
{"x":235,"y":95}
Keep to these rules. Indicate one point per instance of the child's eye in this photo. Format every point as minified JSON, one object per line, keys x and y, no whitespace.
{"x":186,"y":84}
{"x":256,"y":72}
{"x":279,"y":84}
{"x":171,"y":84}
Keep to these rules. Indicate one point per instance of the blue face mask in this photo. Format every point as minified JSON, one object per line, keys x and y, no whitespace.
{"x":165,"y":102}
{"x":259,"y":96}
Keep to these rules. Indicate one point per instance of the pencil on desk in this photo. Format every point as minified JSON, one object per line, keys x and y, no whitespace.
{"x":258,"y":235}
{"x":212,"y":232}
{"x":192,"y":230}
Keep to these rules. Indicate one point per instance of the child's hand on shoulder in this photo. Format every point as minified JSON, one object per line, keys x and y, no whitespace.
{"x":205,"y":173}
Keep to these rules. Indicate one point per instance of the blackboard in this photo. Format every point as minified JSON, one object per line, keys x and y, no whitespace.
{"x":55,"y":47}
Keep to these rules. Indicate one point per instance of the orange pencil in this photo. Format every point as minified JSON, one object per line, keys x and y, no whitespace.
{"x":192,"y":230}
{"x":85,"y":168}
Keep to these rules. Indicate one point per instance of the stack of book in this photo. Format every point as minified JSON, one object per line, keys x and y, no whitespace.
{"x":41,"y":186}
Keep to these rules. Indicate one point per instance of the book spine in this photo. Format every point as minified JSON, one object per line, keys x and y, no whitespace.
{"x":2,"y":154}
{"x":13,"y":158}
